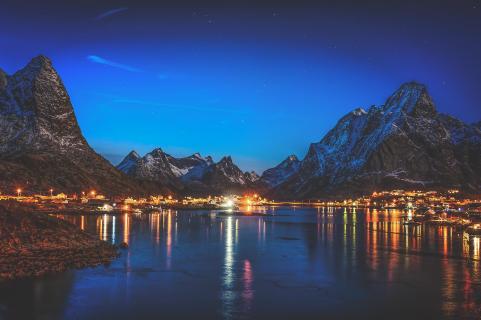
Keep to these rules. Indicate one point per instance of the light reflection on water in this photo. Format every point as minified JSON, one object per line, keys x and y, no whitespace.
{"x":301,"y":262}
{"x":228,"y":292}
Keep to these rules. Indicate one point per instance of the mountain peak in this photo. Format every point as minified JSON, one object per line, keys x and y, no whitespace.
{"x":280,"y":173}
{"x":38,"y":106}
{"x":359,"y":112}
{"x":133,"y":155}
{"x":38,"y":63}
{"x":413,"y":85}
{"x":292,"y":158}
{"x":226,"y":159}
{"x":128,"y":163}
{"x":40,"y":60}
{"x":412,"y":98}
{"x":156,"y":151}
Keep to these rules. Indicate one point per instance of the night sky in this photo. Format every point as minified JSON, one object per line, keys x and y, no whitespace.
{"x":257,"y":81}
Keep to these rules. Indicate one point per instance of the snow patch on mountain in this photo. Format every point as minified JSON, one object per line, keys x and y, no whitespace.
{"x":160,"y":166}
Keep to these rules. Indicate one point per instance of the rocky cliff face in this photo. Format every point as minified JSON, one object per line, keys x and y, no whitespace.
{"x":36,"y":112}
{"x":405,"y":143}
{"x":41,"y":144}
{"x":194,"y":175}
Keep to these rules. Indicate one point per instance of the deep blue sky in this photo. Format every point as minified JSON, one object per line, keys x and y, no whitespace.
{"x":256,"y":81}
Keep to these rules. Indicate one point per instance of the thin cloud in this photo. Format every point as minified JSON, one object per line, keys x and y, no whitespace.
{"x":97,"y":59}
{"x":111,"y":13}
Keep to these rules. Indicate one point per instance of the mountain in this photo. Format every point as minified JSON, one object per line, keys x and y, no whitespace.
{"x":194,"y":175}
{"x":404,"y":143}
{"x":190,"y":168}
{"x":158,"y":166}
{"x":251,"y":177}
{"x":224,"y":174}
{"x":42,"y":146}
{"x":223,"y":177}
{"x":275,"y":176}
{"x":128,"y":164}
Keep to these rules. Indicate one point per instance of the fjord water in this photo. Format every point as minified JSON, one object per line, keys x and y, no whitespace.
{"x":288,"y":263}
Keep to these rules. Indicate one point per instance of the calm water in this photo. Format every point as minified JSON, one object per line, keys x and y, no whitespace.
{"x":302,"y":262}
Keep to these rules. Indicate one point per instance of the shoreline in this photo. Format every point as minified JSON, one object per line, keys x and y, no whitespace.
{"x":35,"y":244}
{"x":43,"y":262}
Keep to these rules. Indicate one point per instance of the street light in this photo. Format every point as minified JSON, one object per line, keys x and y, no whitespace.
{"x":51,"y":192}
{"x":19,"y":192}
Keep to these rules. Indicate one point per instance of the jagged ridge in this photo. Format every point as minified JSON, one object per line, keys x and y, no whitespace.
{"x":194,"y":174}
{"x":403,"y":144}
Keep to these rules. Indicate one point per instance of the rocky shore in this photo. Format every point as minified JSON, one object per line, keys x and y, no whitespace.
{"x":34,"y":244}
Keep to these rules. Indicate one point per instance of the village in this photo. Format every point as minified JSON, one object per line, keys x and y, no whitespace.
{"x":442,"y":207}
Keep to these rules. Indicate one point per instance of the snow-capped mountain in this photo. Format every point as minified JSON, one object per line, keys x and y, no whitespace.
{"x":194,"y":174}
{"x":190,"y":168}
{"x":161,"y":167}
{"x":129,"y":162}
{"x":280,"y":173}
{"x":404,"y":143}
{"x":41,"y":145}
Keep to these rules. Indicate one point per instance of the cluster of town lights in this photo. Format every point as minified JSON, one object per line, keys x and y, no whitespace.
{"x":410,"y":199}
{"x":19,"y":191}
